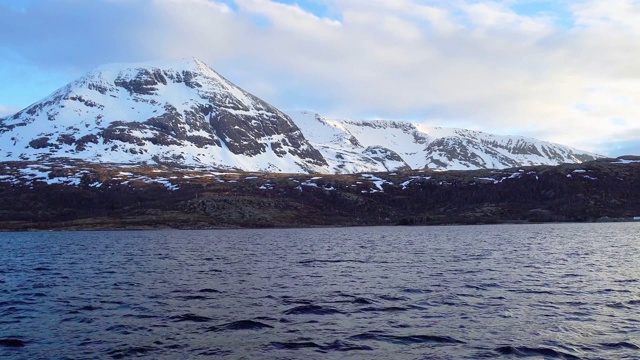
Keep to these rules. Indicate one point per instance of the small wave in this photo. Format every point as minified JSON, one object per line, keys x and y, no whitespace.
{"x":626,"y":281}
{"x":344,"y":346}
{"x":287,"y":300}
{"x":45,"y":286}
{"x":190,"y":317}
{"x":571,"y":275}
{"x":194,"y":297}
{"x":620,"y":345}
{"x":531,"y":291}
{"x":572,"y":303}
{"x":125,"y":329}
{"x":241,"y":325}
{"x":363,"y":301}
{"x":608,"y":291}
{"x":41,"y":268}
{"x":416,"y":291}
{"x":215,"y":352}
{"x":524,"y":351}
{"x":78,"y":319}
{"x":207,"y":290}
{"x":140,"y":316}
{"x":16,"y":303}
{"x":293,"y":345}
{"x":392,"y":298}
{"x":337,"y":345}
{"x":12,"y":342}
{"x":617,"y":305}
{"x":406,"y":339}
{"x":130,"y":351}
{"x":127,"y":283}
{"x":383,"y":309}
{"x":331,"y":261}
{"x":312,"y":310}
{"x":475,"y":287}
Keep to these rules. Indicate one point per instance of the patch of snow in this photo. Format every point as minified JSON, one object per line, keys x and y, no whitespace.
{"x":405,"y":184}
{"x":167,"y":184}
{"x":624,"y":161}
{"x":489,"y":179}
{"x":378,"y":182}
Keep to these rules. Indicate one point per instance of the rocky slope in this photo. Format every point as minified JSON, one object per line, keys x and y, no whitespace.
{"x":184,"y":114}
{"x":81,"y":195}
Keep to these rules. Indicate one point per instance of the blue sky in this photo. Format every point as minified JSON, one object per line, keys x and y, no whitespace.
{"x":563,"y":71}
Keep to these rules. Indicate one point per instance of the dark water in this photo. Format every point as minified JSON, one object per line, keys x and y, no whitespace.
{"x":569,"y":291}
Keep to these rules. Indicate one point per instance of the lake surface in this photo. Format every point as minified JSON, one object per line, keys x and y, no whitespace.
{"x":565,"y":291}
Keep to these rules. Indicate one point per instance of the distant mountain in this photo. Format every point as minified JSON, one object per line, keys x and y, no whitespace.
{"x":380,"y":145}
{"x":184,"y":114}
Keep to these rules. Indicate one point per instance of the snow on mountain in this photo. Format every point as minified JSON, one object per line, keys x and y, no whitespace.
{"x":342,"y":150}
{"x":183,"y":113}
{"x":418,"y":146}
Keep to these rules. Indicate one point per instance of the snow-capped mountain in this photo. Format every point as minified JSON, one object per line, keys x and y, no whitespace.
{"x":185,"y":114}
{"x":380,"y":145}
{"x":181,"y":113}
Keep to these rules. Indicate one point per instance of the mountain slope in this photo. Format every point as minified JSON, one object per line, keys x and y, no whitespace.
{"x":182,"y":113}
{"x":417,"y":146}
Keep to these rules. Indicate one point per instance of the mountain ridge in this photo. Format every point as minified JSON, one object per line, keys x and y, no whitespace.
{"x":425,"y":147}
{"x":183,"y":113}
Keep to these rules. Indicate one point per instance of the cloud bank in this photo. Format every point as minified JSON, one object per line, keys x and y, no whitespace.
{"x":565,"y":73}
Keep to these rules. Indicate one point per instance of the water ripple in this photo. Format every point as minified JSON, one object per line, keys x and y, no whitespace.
{"x":552,"y":291}
{"x":406,"y":339}
{"x":241,"y":325}
{"x":312,"y":310}
{"x":523,"y":351}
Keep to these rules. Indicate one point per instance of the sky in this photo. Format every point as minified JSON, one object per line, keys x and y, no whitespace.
{"x":561,"y":71}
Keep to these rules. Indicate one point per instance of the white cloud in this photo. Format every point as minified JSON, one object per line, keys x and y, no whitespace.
{"x":7,"y":110}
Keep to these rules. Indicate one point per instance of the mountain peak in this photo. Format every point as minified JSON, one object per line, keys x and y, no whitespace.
{"x":183,"y":64}
{"x":176,"y":112}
